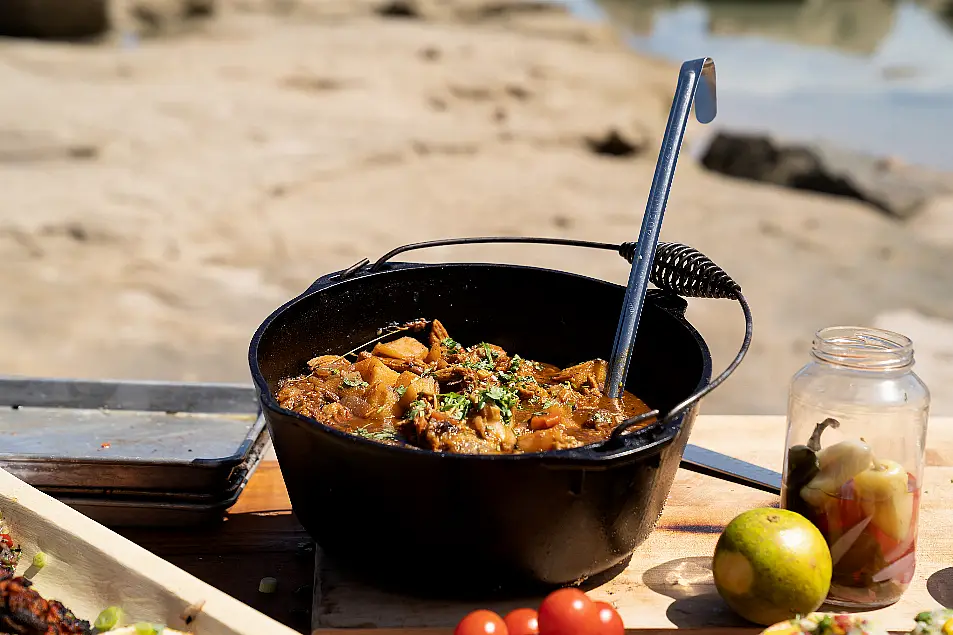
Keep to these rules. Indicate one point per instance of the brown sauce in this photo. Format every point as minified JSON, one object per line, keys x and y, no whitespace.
{"x":449,"y":398}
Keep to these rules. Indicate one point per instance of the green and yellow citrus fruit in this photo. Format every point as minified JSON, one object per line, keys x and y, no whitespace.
{"x":771,"y":565}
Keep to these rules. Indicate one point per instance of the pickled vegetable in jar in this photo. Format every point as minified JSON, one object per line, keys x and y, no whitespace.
{"x":857,"y":421}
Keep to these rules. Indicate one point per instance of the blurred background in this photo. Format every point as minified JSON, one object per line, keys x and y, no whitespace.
{"x":174,"y":170}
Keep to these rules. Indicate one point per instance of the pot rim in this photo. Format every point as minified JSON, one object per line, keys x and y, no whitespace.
{"x":646,"y":440}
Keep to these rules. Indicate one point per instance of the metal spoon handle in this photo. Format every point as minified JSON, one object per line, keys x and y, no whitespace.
{"x":692,"y":74}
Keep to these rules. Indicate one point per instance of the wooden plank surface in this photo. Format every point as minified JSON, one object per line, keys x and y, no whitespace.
{"x":668,"y":582}
{"x":260,"y":537}
{"x":666,"y":585}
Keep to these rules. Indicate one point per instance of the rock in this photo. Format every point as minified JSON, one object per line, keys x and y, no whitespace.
{"x":898,"y":190}
{"x":54,"y":19}
{"x":159,"y":17}
{"x":615,"y":144}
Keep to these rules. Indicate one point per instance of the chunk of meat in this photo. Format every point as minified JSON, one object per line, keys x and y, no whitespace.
{"x":438,"y":333}
{"x":23,"y":611}
{"x":374,"y":371}
{"x":405,"y":348}
{"x":326,"y":365}
{"x":336,"y":413}
{"x":489,"y":426}
{"x":585,"y":377}
{"x":546,"y":440}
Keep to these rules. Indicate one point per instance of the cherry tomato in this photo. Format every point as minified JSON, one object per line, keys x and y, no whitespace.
{"x":481,"y":622}
{"x":610,"y":619}
{"x":6,"y":540}
{"x":522,"y":622}
{"x":568,"y":612}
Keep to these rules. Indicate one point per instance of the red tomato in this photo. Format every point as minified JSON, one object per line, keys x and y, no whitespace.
{"x":522,"y":622}
{"x":610,"y":619}
{"x":481,"y":622}
{"x":568,"y":612}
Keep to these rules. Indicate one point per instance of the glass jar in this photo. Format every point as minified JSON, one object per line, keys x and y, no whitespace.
{"x":857,"y":422}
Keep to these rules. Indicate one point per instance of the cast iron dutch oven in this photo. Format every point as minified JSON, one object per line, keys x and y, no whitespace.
{"x":428,"y":520}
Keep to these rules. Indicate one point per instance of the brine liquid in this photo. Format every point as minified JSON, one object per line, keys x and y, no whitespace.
{"x":872,"y":567}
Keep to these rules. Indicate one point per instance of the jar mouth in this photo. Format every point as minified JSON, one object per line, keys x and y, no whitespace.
{"x":863,"y":348}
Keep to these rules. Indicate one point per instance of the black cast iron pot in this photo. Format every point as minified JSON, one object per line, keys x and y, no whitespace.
{"x":430,"y":520}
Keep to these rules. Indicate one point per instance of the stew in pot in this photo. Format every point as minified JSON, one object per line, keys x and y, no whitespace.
{"x":450,"y":398}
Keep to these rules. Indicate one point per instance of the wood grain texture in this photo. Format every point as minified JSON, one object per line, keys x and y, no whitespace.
{"x":668,"y":584}
{"x":260,"y":537}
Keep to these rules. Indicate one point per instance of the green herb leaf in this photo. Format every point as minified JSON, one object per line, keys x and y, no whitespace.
{"x":354,"y":381}
{"x":416,"y":408}
{"x":451,"y":345}
{"x":385,"y":434}
{"x":454,"y":403}
{"x":506,"y":399}
{"x":400,"y":390}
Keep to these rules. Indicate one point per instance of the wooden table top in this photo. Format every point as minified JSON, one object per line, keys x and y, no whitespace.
{"x":666,"y":585}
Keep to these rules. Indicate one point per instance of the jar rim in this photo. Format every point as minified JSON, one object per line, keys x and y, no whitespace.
{"x":863,"y":347}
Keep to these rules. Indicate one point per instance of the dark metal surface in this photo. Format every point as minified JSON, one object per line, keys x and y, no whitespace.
{"x":727,"y":468}
{"x":127,"y":435}
{"x":566,"y":514}
{"x":696,"y":76}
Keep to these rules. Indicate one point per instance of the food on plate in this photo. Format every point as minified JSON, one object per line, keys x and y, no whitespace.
{"x":867,"y":509}
{"x":9,"y":552}
{"x":826,"y":624}
{"x":446,"y":397}
{"x":562,"y":612}
{"x":24,"y":612}
{"x":938,"y":622}
{"x":771,"y":565}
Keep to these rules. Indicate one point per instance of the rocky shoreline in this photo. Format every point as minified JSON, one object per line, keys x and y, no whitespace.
{"x":166,"y":193}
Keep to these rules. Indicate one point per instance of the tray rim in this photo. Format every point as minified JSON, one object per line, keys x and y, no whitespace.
{"x":232,"y":614}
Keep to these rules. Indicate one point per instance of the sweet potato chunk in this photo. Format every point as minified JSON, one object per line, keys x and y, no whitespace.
{"x":417,"y":387}
{"x":406,"y":348}
{"x":382,"y":401}
{"x":375,"y":372}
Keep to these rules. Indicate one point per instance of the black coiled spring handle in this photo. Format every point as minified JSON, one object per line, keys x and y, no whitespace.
{"x":677,"y":269}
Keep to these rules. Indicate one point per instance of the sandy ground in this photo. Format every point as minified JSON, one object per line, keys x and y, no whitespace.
{"x":159,"y":201}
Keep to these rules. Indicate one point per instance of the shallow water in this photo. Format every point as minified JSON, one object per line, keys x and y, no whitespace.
{"x":872,"y":75}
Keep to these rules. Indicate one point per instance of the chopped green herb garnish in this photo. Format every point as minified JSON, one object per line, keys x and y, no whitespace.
{"x":825,"y":623}
{"x":549,"y":403}
{"x":354,"y":381}
{"x":516,"y":362}
{"x":451,"y":345}
{"x":400,"y":390}
{"x":387,"y":434}
{"x":488,"y":351}
{"x":506,"y":400}
{"x":415,"y":408}
{"x":599,"y":416}
{"x":455,"y":404}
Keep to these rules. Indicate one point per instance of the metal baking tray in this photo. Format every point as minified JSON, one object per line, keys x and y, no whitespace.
{"x":127,"y":435}
{"x":153,"y":512}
